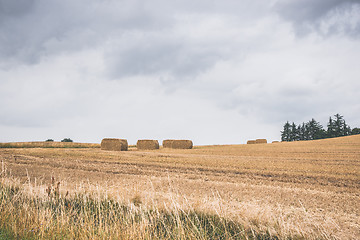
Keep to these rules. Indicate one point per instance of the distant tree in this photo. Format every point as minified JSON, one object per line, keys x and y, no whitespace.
{"x":312,"y":129}
{"x":302,"y":132}
{"x":346,"y":129}
{"x":299,"y":132}
{"x":307,"y":132}
{"x":49,"y":140}
{"x":340,"y":126}
{"x":319,"y":131}
{"x":315,"y":130}
{"x":355,"y":131}
{"x":286,"y":133}
{"x":294,"y":136}
{"x":66,"y":140}
{"x":330,"y":133}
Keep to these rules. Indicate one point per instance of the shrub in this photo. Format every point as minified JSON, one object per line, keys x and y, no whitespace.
{"x":66,"y":140}
{"x":355,"y":131}
{"x":49,"y":140}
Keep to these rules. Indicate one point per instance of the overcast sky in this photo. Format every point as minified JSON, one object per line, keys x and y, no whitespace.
{"x":216,"y":72}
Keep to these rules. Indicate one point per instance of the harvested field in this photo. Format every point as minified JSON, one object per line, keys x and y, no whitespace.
{"x":307,"y":189}
{"x":146,"y":144}
{"x":48,"y":145}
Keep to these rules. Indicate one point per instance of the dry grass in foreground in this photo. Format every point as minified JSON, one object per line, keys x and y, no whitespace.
{"x":298,"y":190}
{"x":90,"y":216}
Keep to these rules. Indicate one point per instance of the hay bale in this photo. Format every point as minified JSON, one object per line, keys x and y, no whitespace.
{"x":261,"y":141}
{"x":178,"y":144}
{"x":146,"y":144}
{"x":251,"y":141}
{"x":182,"y":144}
{"x":167,"y":143}
{"x":114,"y":144}
{"x":275,"y":141}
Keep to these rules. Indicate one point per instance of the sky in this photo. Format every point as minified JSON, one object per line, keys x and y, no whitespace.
{"x":215,"y":72}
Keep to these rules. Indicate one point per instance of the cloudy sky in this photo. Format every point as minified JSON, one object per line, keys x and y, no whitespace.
{"x":216,"y":72}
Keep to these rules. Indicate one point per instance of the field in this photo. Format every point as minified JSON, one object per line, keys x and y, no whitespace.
{"x":48,"y":145}
{"x":296,"y":190}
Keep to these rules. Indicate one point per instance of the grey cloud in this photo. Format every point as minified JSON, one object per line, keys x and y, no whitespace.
{"x":307,"y":10}
{"x":326,"y":17}
{"x":164,"y":56}
{"x":197,"y":40}
{"x":10,"y":8}
{"x":26,"y":33}
{"x":30,"y":30}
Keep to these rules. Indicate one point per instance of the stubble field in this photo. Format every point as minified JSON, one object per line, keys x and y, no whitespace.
{"x":297,"y":190}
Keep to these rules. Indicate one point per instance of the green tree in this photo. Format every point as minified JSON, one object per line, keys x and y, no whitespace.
{"x":315,"y":130}
{"x":330,"y":129}
{"x":286,"y":133}
{"x":346,"y":129}
{"x":294,"y":136}
{"x":66,"y":140}
{"x":338,"y":125}
{"x":307,"y":133}
{"x":302,"y":132}
{"x":340,"y":128}
{"x":355,"y":131}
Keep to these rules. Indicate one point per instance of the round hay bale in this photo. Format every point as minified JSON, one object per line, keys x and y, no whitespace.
{"x":146,"y":144}
{"x":251,"y":141}
{"x":114,"y":144}
{"x":261,"y":141}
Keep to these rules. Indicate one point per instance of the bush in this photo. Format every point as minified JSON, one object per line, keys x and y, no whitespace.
{"x":49,"y":140}
{"x":66,"y":140}
{"x":355,"y":131}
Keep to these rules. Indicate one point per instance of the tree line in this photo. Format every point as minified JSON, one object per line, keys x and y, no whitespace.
{"x":311,"y":130}
{"x":64,"y":140}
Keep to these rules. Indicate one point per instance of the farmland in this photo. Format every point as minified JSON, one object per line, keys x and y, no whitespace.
{"x":306,"y":189}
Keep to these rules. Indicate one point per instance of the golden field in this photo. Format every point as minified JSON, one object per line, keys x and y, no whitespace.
{"x":48,"y":145}
{"x":295,"y":190}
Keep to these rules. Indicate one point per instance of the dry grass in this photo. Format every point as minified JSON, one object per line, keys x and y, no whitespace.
{"x":48,"y":145}
{"x":306,"y":189}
